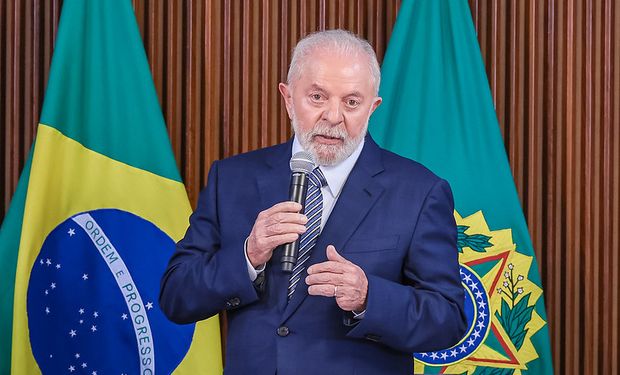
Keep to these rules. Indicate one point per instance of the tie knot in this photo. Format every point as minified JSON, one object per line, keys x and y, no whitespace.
{"x":317,"y":177}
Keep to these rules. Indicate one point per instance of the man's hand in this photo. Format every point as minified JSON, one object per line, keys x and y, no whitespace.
{"x":277,"y":225}
{"x":339,"y":278}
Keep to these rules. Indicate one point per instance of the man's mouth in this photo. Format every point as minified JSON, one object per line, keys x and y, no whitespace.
{"x":326,"y":139}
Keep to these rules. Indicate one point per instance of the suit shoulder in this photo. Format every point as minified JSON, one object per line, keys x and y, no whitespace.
{"x":408,"y":168}
{"x":253,"y":158}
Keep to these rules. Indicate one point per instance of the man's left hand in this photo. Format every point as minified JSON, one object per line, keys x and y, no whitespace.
{"x":339,"y":278}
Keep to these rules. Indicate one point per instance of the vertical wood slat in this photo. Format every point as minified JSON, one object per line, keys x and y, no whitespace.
{"x":553,"y":67}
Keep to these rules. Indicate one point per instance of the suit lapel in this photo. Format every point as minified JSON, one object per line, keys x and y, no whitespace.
{"x":358,"y":195}
{"x":273,"y":185}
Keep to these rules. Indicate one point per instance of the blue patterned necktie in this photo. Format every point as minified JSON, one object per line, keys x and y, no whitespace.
{"x":314,"y":212}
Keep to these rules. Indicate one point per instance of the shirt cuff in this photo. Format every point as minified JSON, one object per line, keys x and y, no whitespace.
{"x":252,"y":272}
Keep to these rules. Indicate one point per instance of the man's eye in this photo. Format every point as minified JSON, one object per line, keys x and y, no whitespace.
{"x":352,"y":103}
{"x":315,"y":97}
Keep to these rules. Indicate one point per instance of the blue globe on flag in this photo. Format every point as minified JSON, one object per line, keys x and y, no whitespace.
{"x":92,"y":298}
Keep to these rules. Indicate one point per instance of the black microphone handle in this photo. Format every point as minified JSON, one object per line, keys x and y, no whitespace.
{"x":297,"y":193}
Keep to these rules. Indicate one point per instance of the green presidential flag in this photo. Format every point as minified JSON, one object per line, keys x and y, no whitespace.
{"x":437,"y":109}
{"x":98,"y":209}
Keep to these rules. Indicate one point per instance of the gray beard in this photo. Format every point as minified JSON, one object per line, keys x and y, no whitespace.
{"x":328,"y":155}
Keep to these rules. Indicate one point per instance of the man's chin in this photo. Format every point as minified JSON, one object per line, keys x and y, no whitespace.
{"x":327,"y":155}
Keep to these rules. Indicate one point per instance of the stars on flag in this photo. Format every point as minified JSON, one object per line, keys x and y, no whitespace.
{"x":471,"y":341}
{"x":93,"y":328}
{"x":95,"y":314}
{"x":47,"y":310}
{"x":85,"y":277}
{"x":124,"y":316}
{"x":47,"y":292}
{"x":81,"y":310}
{"x":476,"y":334}
{"x":53,"y":285}
{"x":71,"y":368}
{"x":84,"y":365}
{"x":467,"y":278}
{"x":77,"y":355}
{"x":48,"y":261}
{"x":72,"y":333}
{"x":71,"y":232}
{"x":58,"y":266}
{"x":149,"y":305}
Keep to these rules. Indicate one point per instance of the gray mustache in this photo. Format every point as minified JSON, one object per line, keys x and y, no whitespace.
{"x":328,"y":131}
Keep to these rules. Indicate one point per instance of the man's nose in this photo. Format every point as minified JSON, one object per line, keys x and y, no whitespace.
{"x":333,"y":112}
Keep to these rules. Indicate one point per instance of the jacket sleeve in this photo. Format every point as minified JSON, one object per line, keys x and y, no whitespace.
{"x":424,"y":312}
{"x":204,"y":276}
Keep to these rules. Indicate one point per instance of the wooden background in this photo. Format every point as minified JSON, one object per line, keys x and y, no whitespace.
{"x":553,"y":67}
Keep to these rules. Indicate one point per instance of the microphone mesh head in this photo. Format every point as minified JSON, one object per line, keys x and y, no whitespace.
{"x":303,"y":162}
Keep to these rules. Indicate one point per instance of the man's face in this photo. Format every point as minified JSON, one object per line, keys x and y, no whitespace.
{"x":330,"y":103}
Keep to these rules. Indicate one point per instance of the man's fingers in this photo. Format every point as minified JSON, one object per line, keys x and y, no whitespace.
{"x":287,"y":217}
{"x":325,"y":290}
{"x":284,"y":228}
{"x":332,"y":254}
{"x":326,"y":278}
{"x":274,"y":241}
{"x":282,"y":207}
{"x":328,"y":266}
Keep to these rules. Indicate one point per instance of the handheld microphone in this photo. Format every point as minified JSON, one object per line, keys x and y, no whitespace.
{"x":302,"y":163}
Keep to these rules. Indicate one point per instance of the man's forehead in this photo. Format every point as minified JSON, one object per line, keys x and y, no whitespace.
{"x":323,"y":70}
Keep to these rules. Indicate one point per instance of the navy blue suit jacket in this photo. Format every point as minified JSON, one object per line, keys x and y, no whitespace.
{"x":394,"y":219}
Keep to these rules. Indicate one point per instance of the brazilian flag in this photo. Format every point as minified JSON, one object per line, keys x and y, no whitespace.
{"x":437,"y":109}
{"x":95,"y":217}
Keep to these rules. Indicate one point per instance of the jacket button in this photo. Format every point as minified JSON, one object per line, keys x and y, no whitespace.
{"x":283,"y":331}
{"x":235,"y":301}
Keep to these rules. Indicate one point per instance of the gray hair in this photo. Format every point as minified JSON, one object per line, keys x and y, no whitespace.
{"x":340,"y":41}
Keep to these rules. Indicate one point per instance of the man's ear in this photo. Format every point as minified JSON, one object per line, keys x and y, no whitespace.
{"x":375,"y":104}
{"x":285,"y":91}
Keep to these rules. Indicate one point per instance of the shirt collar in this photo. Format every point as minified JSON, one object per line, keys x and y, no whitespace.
{"x":335,"y":175}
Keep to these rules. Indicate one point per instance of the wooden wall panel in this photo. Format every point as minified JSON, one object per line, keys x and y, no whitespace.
{"x":553,"y":67}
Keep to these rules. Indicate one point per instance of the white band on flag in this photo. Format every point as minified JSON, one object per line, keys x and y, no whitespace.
{"x":128,"y":289}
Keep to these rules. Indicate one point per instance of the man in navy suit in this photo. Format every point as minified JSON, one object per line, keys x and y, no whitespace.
{"x":379,"y":282}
